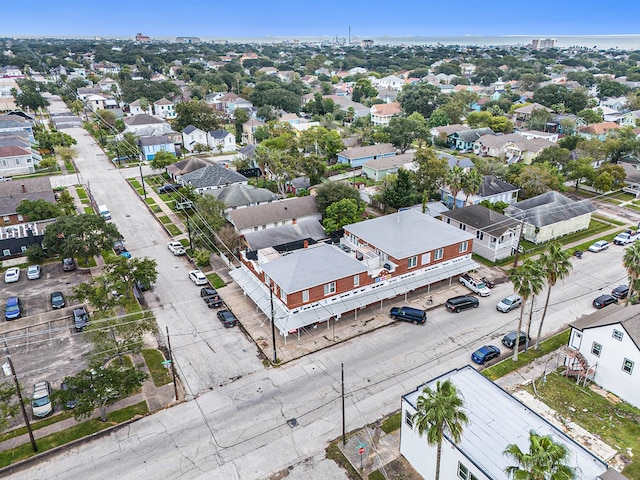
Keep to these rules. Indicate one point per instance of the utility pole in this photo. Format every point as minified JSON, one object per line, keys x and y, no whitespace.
{"x":144,"y":190}
{"x":344,"y":427}
{"x":273,"y":328}
{"x":186,"y":212}
{"x":19,"y":392}
{"x":173,"y":367}
{"x":515,"y":261}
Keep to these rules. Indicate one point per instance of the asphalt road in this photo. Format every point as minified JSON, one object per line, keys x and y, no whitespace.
{"x":240,"y":429}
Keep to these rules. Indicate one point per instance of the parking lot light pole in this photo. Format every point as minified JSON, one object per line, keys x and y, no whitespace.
{"x":19,"y":392}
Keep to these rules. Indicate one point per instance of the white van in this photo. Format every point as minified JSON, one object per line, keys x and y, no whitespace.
{"x":104,"y":212}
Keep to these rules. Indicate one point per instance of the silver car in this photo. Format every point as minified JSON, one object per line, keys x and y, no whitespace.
{"x":509,"y":303}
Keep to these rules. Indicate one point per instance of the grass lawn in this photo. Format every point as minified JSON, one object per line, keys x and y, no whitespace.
{"x":164,"y":219}
{"x":160,"y":374}
{"x":78,"y":431}
{"x":83,"y":264}
{"x":135,"y":183}
{"x":615,"y":423}
{"x":215,"y":280}
{"x":391,"y":423}
{"x":81,"y":193}
{"x":150,"y":201}
{"x":88,"y":210}
{"x":173,"y":230}
{"x":37,"y":425}
{"x":69,"y":166}
{"x":155,"y":208}
{"x":622,"y":196}
{"x":604,"y":218}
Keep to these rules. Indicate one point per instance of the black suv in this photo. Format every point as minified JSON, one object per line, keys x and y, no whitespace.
{"x":604,"y":300}
{"x":462,"y":302}
{"x":620,"y":292}
{"x":80,"y":318}
{"x":227,"y":318}
{"x":68,"y":265}
{"x":509,"y":340}
{"x":409,"y":314}
{"x":211,"y":297}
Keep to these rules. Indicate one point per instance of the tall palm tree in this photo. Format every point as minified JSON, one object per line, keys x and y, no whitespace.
{"x":545,"y":459}
{"x":438,"y":412}
{"x":556,"y":266}
{"x":471,"y":183}
{"x":631,"y":261}
{"x":455,"y":180}
{"x":528,"y":280}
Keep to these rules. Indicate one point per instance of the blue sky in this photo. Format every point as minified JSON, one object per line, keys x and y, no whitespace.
{"x":372,"y":18}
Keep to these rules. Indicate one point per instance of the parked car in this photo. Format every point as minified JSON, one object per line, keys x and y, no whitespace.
{"x":409,"y":314}
{"x":68,"y":265}
{"x":509,"y":340}
{"x":509,"y":303}
{"x":12,"y":275}
{"x":118,"y":246}
{"x":80,"y":318}
{"x":484,"y":354}
{"x":461,"y":302}
{"x":476,"y":285}
{"x":198,"y":278}
{"x":176,"y":248}
{"x":626,"y":238}
{"x":620,"y":292}
{"x":227,"y":318}
{"x":599,"y":246}
{"x":13,"y":308}
{"x":211,"y":297}
{"x":70,"y":403}
{"x":57,"y":300}
{"x":41,"y":400}
{"x":34,"y":272}
{"x":604,"y":300}
{"x":171,"y":187}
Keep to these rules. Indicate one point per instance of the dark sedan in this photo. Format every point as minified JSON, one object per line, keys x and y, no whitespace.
{"x":57,"y":300}
{"x":604,"y":300}
{"x":484,"y":354}
{"x":227,"y":318}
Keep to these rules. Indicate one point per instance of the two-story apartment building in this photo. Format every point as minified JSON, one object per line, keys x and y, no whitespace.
{"x":192,"y":137}
{"x":382,"y":113}
{"x":376,"y":260}
{"x":164,"y":108}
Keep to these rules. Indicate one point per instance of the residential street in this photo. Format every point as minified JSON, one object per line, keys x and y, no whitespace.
{"x":235,"y":424}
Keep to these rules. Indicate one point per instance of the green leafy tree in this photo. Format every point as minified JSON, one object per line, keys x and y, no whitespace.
{"x":28,"y":99}
{"x":440,"y":412}
{"x":528,"y":280}
{"x":403,"y":131}
{"x":241,"y":116}
{"x":556,"y":266}
{"x":81,"y":236}
{"x":48,"y":163}
{"x":162,"y":159}
{"x":97,"y":292}
{"x":107,"y":117}
{"x":35,"y":254}
{"x":603,"y":182}
{"x":363,"y":89}
{"x":479,"y":119}
{"x":331,"y":192}
{"x":538,"y":119}
{"x":538,"y":178}
{"x":399,"y":192}
{"x":125,"y":273}
{"x":210,"y":219}
{"x":313,"y":166}
{"x":590,"y":116}
{"x":631,"y":262}
{"x":196,"y":113}
{"x":66,"y":202}
{"x":555,"y":155}
{"x":490,"y":166}
{"x":431,"y":172}
{"x":39,"y":209}
{"x":98,"y":388}
{"x":579,"y":170}
{"x":610,"y":88}
{"x":545,"y":460}
{"x":8,"y":404}
{"x":341,"y":213}
{"x":66,"y":153}
{"x":438,"y":118}
{"x":471,"y":183}
{"x":422,"y":97}
{"x":455,"y":181}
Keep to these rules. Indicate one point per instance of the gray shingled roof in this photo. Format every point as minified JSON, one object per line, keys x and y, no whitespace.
{"x":148,"y":141}
{"x":13,"y":192}
{"x":213,"y":176}
{"x":219,"y":134}
{"x":188,"y":129}
{"x":462,"y":162}
{"x":407,"y":233}
{"x":142,"y":119}
{"x":370,"y":151}
{"x":548,"y":208}
{"x":628,"y":317}
{"x":239,"y":194}
{"x":492,"y":185}
{"x":482,"y":218}
{"x":248,"y":151}
{"x":187,"y":166}
{"x":309,"y":267}
{"x":269,"y":213}
{"x":271,"y":237}
{"x":471,"y":136}
{"x":394,"y":161}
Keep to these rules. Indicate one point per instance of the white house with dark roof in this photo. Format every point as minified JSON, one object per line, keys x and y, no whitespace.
{"x":286,"y":238}
{"x":464,"y":139}
{"x":493,"y":189}
{"x":13,"y":123}
{"x":221,"y":141}
{"x":211,"y":177}
{"x":377,"y":260}
{"x":239,"y":195}
{"x":273,"y":214}
{"x":609,"y":343}
{"x":358,"y":156}
{"x":496,"y":234}
{"x":496,"y":420}
{"x":551,"y":215}
{"x":14,"y":192}
{"x":164,"y":108}
{"x":136,"y":124}
{"x":192,"y":136}
{"x":152,"y":145}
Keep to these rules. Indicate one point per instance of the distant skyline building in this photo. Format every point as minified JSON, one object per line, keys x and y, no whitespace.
{"x":540,"y":43}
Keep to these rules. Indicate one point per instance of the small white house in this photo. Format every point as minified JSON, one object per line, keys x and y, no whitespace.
{"x":192,"y":136}
{"x":221,"y":140}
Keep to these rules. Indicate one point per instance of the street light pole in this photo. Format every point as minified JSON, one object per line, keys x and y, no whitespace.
{"x":144,"y":190}
{"x":273,"y":328}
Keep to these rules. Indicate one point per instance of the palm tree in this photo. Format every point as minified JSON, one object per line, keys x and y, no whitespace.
{"x":471,"y":183}
{"x":545,"y":459}
{"x":631,"y":261}
{"x":454,"y":180}
{"x":556,"y":266}
{"x":438,"y":412}
{"x":528,"y":280}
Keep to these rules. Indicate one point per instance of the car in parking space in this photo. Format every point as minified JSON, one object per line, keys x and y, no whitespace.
{"x":12,"y":275}
{"x":176,"y":248}
{"x":461,"y":302}
{"x":509,"y":340}
{"x":70,"y":403}
{"x":620,"y":292}
{"x":171,"y":187}
{"x":41,"y":400}
{"x":211,"y":297}
{"x":80,"y":318}
{"x":509,"y":303}
{"x":227,"y":318}
{"x":599,"y":246}
{"x":484,"y":354}
{"x":13,"y":308}
{"x":34,"y":272}
{"x":409,"y":314}
{"x":57,"y":300}
{"x":604,"y":300}
{"x":198,"y":278}
{"x":68,"y":264}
